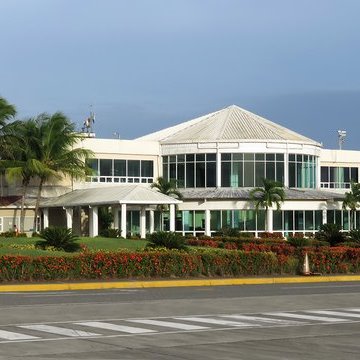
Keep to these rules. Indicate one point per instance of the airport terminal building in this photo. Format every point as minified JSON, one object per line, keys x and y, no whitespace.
{"x":216,"y":160}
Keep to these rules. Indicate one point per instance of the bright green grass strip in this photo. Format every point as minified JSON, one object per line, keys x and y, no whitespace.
{"x":98,"y":243}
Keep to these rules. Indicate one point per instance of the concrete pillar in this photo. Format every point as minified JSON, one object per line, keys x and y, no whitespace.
{"x":152,"y":221}
{"x":269,"y":220}
{"x":324,"y":216}
{"x":123,"y":220}
{"x":172,"y":217}
{"x":207,"y":223}
{"x":286,"y":170}
{"x":93,"y":221}
{"x":69,"y":218}
{"x":218,"y":169}
{"x":115,"y":212}
{"x":45,"y":217}
{"x":143,"y":222}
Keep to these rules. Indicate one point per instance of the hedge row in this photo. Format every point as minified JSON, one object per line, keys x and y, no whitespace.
{"x":164,"y":264}
{"x":123,"y":265}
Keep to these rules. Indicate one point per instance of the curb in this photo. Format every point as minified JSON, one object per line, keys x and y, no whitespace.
{"x":174,"y":283}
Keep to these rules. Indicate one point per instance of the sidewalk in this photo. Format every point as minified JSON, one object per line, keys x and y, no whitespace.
{"x":98,"y":285}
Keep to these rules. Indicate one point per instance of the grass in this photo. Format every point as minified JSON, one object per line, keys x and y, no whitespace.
{"x":18,"y":246}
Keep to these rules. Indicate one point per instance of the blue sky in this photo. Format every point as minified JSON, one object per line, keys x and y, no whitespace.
{"x":145,"y":65}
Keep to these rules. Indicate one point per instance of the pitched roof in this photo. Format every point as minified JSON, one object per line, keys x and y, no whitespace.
{"x":124,"y":194}
{"x":230,"y":124}
{"x":244,"y":194}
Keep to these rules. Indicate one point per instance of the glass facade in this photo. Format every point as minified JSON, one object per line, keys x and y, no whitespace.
{"x":248,"y":169}
{"x":121,"y":171}
{"x":191,"y":170}
{"x":297,"y":221}
{"x":302,"y":171}
{"x":338,"y":177}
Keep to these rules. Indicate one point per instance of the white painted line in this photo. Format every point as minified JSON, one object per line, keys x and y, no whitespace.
{"x":170,"y":324}
{"x":58,"y":330}
{"x":216,"y":321}
{"x":262,"y":319}
{"x":334,"y":313}
{"x":306,"y":317}
{"x":114,"y":327}
{"x":354,"y":310}
{"x":8,"y":335}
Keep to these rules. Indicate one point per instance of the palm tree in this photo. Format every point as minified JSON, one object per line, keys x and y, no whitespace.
{"x":167,"y":188}
{"x":351,"y":201}
{"x":24,"y":164}
{"x":57,"y":154}
{"x":264,"y":197}
{"x":7,"y":113}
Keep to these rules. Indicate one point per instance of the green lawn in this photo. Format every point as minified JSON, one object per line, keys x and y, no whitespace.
{"x":25,"y":246}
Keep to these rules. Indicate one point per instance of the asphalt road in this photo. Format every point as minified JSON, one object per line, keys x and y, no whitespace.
{"x":296,"y":321}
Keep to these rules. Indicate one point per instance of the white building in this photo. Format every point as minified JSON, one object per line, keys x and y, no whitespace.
{"x":216,"y":160}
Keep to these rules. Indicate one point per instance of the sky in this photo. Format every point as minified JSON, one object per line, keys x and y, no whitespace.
{"x":144,"y":65}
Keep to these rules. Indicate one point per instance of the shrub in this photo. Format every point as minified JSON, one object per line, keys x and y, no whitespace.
{"x":110,"y":233}
{"x":354,"y":235}
{"x":169,"y":240}
{"x":330,"y":233}
{"x":299,"y":241}
{"x":273,"y":235}
{"x":59,"y":238}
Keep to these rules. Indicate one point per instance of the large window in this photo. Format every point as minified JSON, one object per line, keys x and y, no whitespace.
{"x":248,"y":169}
{"x":121,"y":170}
{"x":297,"y":221}
{"x":191,"y":170}
{"x":338,"y":177}
{"x":302,"y":171}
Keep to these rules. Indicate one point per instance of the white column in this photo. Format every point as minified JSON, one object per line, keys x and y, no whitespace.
{"x":69,"y":218}
{"x":46,"y":218}
{"x":143,"y":222}
{"x":115,"y":212}
{"x":269,"y":220}
{"x":93,"y":221}
{"x":172,"y":217}
{"x":318,"y":173}
{"x":207,"y":223}
{"x":152,"y":221}
{"x":324,"y":216}
{"x":218,"y":169}
{"x":123,"y":220}
{"x":286,"y":170}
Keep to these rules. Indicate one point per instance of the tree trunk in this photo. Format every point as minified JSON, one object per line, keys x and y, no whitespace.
{"x":37,"y":205}
{"x":22,"y":211}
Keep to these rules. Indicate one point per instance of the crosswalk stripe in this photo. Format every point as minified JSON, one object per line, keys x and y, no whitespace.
{"x":58,"y":330}
{"x":334,"y":313}
{"x":170,"y":324}
{"x":306,"y":317}
{"x":261,"y":319}
{"x":355,"y":310}
{"x":216,"y":321}
{"x":122,"y":328}
{"x":8,"y":335}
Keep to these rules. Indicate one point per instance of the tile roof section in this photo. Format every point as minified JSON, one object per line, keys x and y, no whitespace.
{"x":129,"y":194}
{"x":230,"y":124}
{"x":243,"y":194}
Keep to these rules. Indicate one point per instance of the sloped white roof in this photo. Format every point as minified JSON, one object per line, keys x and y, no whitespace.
{"x":230,"y":124}
{"x":123,"y":194}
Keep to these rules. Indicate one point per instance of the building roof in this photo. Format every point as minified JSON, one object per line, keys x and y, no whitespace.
{"x":230,"y":124}
{"x":123,"y":194}
{"x":15,"y":201}
{"x":244,"y":194}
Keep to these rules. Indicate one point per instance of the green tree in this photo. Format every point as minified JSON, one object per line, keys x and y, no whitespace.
{"x":58,"y":155}
{"x":7,"y":113}
{"x":352,"y":202}
{"x":24,"y":165}
{"x":167,"y":188}
{"x":272,"y":192}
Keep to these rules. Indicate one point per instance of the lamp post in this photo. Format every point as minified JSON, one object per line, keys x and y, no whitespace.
{"x":341,"y":138}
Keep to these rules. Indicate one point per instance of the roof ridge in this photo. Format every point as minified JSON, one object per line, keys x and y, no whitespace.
{"x":225,"y":123}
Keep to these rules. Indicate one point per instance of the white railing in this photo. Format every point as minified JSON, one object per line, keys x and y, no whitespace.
{"x":119,"y":179}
